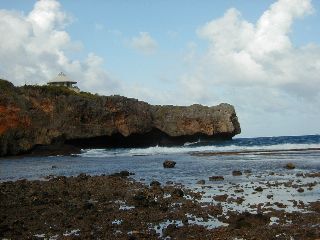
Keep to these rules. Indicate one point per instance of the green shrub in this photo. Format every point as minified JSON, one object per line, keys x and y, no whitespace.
{"x":5,"y":85}
{"x":49,"y":90}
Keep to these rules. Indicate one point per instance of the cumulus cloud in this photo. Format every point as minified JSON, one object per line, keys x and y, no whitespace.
{"x":34,"y":49}
{"x":144,"y":43}
{"x":261,"y":53}
{"x":256,"y":66}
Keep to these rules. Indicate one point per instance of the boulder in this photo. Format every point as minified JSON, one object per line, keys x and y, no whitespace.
{"x":201,"y":182}
{"x":236,"y":173}
{"x":216,"y":178}
{"x":169,"y":164}
{"x":258,"y":189}
{"x":290,"y":166}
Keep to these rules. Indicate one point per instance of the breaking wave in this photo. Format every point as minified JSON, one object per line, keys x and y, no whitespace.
{"x":236,"y":145}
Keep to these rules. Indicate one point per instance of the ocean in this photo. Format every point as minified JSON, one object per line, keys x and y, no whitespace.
{"x":221,"y":158}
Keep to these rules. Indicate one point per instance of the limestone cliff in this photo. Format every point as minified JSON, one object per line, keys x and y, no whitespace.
{"x":32,"y":116}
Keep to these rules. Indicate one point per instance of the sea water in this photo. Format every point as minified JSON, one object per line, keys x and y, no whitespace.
{"x":146,"y":163}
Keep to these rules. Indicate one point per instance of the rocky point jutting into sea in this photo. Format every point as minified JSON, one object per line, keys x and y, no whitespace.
{"x":48,"y":118}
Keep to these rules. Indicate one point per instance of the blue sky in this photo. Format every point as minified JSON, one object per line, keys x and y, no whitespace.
{"x":260,"y":56}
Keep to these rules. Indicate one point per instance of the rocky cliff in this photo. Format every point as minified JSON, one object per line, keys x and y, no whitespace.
{"x":33,"y":116}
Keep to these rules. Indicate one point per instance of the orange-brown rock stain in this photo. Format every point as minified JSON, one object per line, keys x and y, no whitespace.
{"x":45,"y":105}
{"x":9,"y":118}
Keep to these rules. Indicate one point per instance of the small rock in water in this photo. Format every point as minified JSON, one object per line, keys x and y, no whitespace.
{"x":216,"y":178}
{"x":169,"y":164}
{"x":248,"y":171}
{"x":239,"y":190}
{"x":259,"y":189}
{"x":236,"y":173}
{"x":169,"y":182}
{"x":290,"y":166}
{"x":122,"y":174}
{"x":54,"y":166}
{"x":83,"y":176}
{"x":201,"y":182}
{"x":300,"y":190}
{"x":155,"y":184}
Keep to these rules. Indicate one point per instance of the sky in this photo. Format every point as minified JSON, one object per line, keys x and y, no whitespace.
{"x":263,"y":57}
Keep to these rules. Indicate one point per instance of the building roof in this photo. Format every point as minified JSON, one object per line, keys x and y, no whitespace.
{"x":61,"y":78}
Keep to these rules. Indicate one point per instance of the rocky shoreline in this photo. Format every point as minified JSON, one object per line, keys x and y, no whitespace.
{"x":48,"y":119}
{"x":118,"y":207}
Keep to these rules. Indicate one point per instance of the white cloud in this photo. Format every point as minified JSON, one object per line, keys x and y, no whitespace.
{"x":33,"y":49}
{"x":144,"y":43}
{"x":257,"y":67}
{"x":261,"y":54}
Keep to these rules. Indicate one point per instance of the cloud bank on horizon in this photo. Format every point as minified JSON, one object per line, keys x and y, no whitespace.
{"x":255,"y":66}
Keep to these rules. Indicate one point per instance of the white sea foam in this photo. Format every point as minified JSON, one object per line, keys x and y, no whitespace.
{"x":127,"y":152}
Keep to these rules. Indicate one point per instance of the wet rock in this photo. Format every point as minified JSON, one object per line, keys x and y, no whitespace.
{"x":290,"y":166}
{"x":248,"y":171}
{"x":54,"y":167}
{"x":315,"y":206}
{"x":122,"y":174}
{"x":238,"y":190}
{"x":170,"y":230}
{"x":169,"y":164}
{"x":83,"y":176}
{"x":300,"y":190}
{"x":221,"y":198}
{"x":269,"y":196}
{"x":201,"y":182}
{"x":258,"y":189}
{"x":143,"y":199}
{"x":88,"y":205}
{"x":92,"y":205}
{"x":155,"y":184}
{"x":236,"y":173}
{"x":280,"y":205}
{"x":248,"y":220}
{"x":169,"y":182}
{"x":177,"y":192}
{"x":216,"y":178}
{"x":313,"y":175}
{"x":50,"y":176}
{"x":238,"y":200}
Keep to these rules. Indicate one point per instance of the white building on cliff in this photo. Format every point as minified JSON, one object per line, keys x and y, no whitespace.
{"x":63,"y":80}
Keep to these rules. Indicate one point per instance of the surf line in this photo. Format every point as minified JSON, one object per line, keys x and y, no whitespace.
{"x":258,"y":152}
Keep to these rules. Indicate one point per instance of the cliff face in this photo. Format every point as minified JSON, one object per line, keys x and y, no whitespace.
{"x":32,"y":116}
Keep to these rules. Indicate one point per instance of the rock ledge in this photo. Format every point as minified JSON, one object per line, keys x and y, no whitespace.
{"x":34,"y":117}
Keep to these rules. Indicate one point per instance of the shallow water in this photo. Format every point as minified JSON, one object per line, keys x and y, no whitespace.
{"x":188,"y":170}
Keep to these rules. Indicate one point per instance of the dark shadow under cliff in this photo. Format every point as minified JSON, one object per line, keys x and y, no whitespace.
{"x":153,"y":138}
